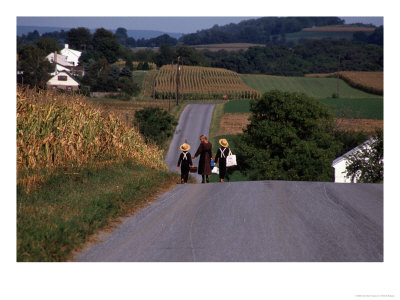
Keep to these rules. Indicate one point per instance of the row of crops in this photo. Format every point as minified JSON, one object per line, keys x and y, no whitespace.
{"x":58,"y":130}
{"x":197,"y":83}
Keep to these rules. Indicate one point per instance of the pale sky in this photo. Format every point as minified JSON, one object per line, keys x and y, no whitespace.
{"x":165,"y":24}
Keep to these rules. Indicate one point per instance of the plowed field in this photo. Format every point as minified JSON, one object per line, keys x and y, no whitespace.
{"x":235,"y":123}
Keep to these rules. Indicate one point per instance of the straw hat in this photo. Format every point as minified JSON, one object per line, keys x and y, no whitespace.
{"x":223,"y":143}
{"x":185,"y":147}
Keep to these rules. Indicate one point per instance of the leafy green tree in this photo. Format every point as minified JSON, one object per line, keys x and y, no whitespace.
{"x":348,"y":140}
{"x":115,"y":72}
{"x":155,"y":124}
{"x":366,"y":165}
{"x":34,"y":65}
{"x":121,"y":35}
{"x":165,"y":55}
{"x":126,"y":72}
{"x":145,"y":66}
{"x":164,"y":39}
{"x":79,"y":38}
{"x":105,"y":43}
{"x":191,"y":57}
{"x":48,"y":45}
{"x":129,"y":63}
{"x":128,"y":87}
{"x":144,"y":55}
{"x":140,"y":66}
{"x":290,"y":137}
{"x":101,"y":77}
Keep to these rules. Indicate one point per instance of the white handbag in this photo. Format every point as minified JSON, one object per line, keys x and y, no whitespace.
{"x":215,"y":170}
{"x":231,"y":159}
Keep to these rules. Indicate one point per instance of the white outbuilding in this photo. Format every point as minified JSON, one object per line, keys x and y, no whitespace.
{"x":339,"y":164}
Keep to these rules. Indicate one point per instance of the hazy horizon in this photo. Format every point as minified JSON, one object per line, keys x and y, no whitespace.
{"x":165,"y":24}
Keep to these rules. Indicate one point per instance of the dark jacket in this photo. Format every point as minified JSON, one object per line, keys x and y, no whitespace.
{"x":222,"y":154}
{"x":205,"y":152}
{"x":185,"y":162}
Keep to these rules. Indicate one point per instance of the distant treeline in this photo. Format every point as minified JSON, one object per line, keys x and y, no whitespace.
{"x":319,"y":56}
{"x":79,"y":38}
{"x":267,"y":30}
{"x":258,"y":31}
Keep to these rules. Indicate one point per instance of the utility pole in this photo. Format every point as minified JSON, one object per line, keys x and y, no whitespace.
{"x":182,"y":83}
{"x":154,"y":90}
{"x":177,"y":81}
{"x":171,"y":80}
{"x":338,"y":69}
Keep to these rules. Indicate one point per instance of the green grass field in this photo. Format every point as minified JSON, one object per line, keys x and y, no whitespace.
{"x":237,"y":106}
{"x":138,"y":76}
{"x":341,"y":108}
{"x":353,"y":103}
{"x":318,"y":88}
{"x":356,"y":108}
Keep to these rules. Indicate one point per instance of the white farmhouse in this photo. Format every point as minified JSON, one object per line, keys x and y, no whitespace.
{"x":63,"y":80}
{"x":60,"y":61}
{"x":339,"y":164}
{"x":72,"y":56}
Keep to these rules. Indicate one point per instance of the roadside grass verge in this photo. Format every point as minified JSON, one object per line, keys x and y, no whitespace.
{"x":79,"y":168}
{"x":57,"y":218}
{"x":216,"y":119}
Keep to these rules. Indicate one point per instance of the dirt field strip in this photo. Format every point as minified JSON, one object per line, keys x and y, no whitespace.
{"x":339,"y":29}
{"x":227,"y":46}
{"x":366,"y":125}
{"x":235,"y":123}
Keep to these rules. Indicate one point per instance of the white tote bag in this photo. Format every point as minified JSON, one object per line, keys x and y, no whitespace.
{"x":215,"y":170}
{"x":231,"y":159}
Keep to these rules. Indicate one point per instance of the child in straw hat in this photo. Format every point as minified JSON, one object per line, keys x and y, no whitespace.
{"x":185,"y":162}
{"x":220,"y":157}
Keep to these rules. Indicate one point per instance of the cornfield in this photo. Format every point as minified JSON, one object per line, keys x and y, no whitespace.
{"x":197,"y":83}
{"x":370,"y":82}
{"x":61,"y":130}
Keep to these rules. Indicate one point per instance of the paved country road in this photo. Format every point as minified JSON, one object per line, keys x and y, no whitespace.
{"x":248,"y":221}
{"x":252,"y":221}
{"x":194,"y":121}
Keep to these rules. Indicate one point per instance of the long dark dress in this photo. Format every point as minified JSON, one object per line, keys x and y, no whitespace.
{"x":185,"y":161}
{"x":205,"y":152}
{"x":221,"y":155}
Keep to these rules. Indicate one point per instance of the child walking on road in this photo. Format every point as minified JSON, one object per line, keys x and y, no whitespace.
{"x":220,"y":157}
{"x":185,"y":162}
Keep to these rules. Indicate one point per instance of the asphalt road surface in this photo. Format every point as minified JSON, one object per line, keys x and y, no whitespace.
{"x":264,"y":221}
{"x":194,"y":121}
